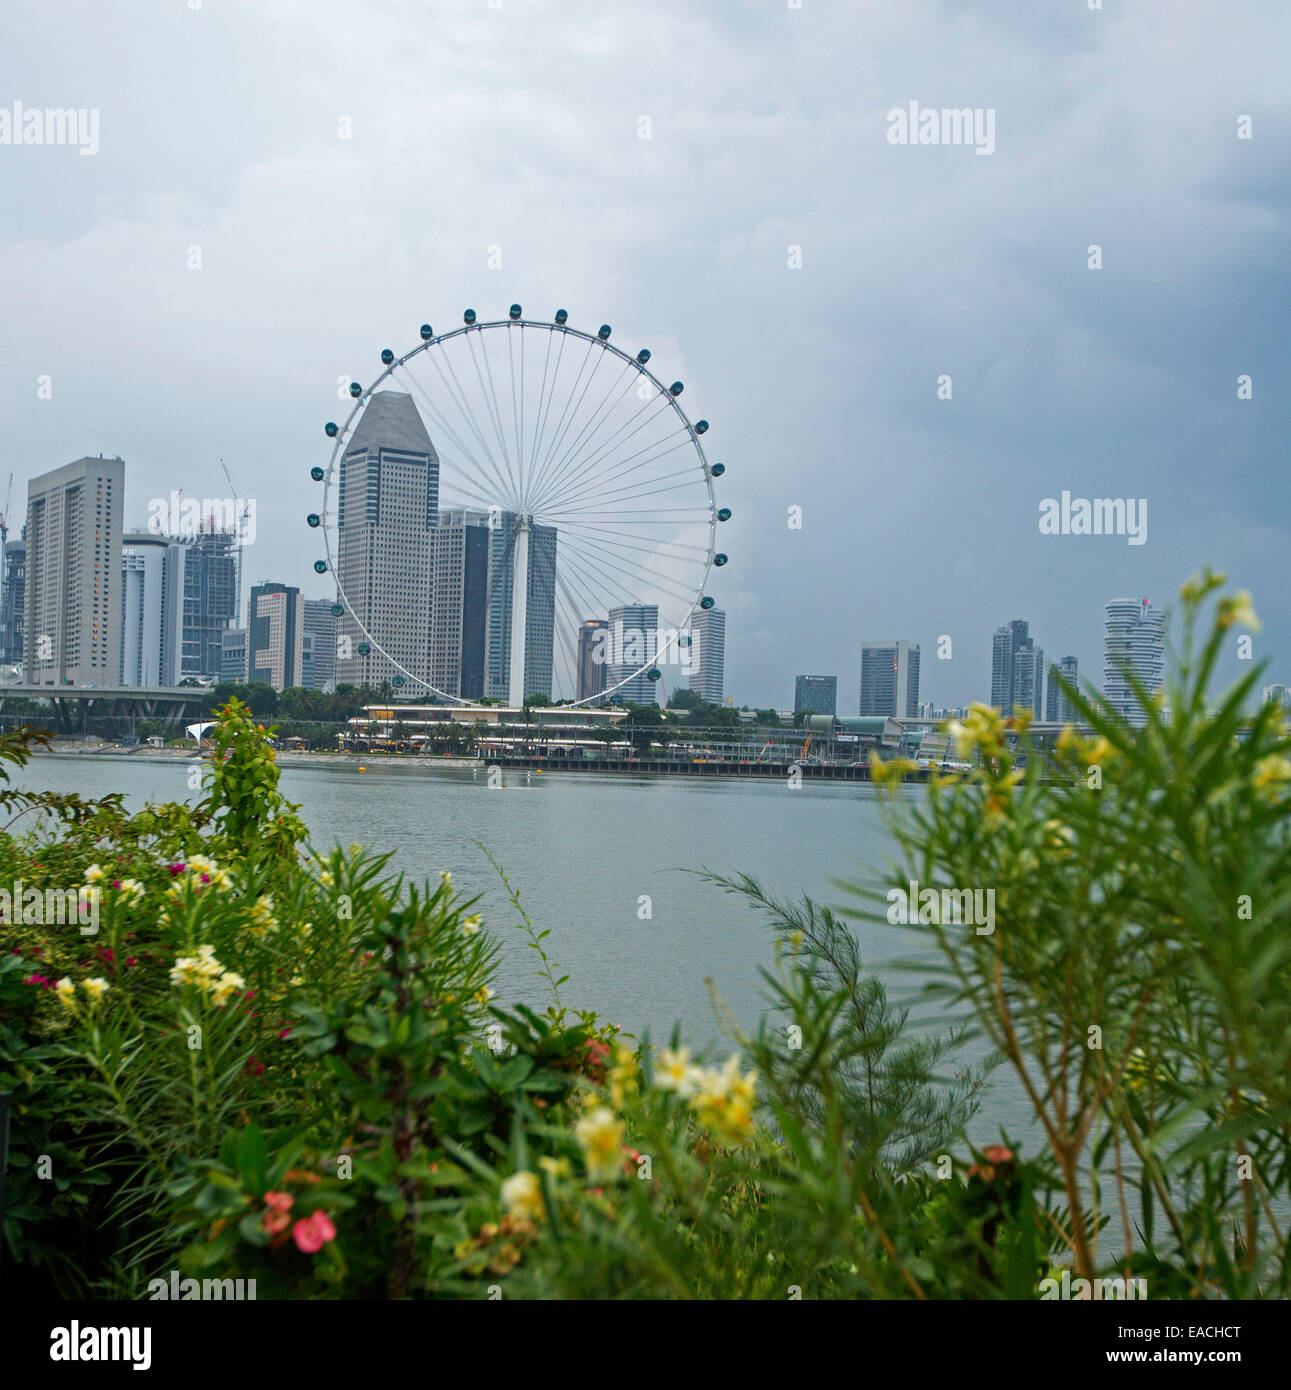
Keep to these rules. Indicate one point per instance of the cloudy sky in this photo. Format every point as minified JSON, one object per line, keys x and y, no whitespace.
{"x":517,"y":125}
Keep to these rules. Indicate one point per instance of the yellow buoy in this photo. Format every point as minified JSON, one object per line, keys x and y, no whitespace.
{"x":362,"y":769}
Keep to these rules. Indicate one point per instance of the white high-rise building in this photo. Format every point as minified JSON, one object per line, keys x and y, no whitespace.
{"x":708,"y":653}
{"x":73,"y":580}
{"x":540,"y":608}
{"x":151,"y":610}
{"x":1134,"y":645}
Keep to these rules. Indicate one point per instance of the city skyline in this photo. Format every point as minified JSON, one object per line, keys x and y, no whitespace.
{"x":1064,"y":377}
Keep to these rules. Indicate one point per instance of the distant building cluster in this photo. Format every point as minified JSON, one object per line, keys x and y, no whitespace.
{"x":87,"y":603}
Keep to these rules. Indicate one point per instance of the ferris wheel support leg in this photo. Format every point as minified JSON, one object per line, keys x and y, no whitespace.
{"x":519,"y":611}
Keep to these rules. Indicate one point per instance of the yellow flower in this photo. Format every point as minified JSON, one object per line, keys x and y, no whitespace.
{"x":95,"y":988}
{"x":673,"y":1072}
{"x":66,"y":992}
{"x":325,"y":878}
{"x":1271,"y":772}
{"x":522,"y":1196}
{"x":622,"y":1074}
{"x":1058,"y":836}
{"x":470,"y":925}
{"x":889,"y":773}
{"x":1238,"y":609}
{"x":483,"y":995}
{"x":1096,"y":750}
{"x":1021,"y":719}
{"x":93,"y":874}
{"x":225,"y":987}
{"x":1199,"y":585}
{"x":262,"y":914}
{"x":555,"y":1167}
{"x":724,"y":1103}
{"x":600,"y":1136}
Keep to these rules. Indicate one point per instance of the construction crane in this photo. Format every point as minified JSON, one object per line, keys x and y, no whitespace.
{"x":4,"y":541}
{"x":238,"y":518}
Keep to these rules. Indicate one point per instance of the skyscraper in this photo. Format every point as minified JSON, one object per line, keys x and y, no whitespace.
{"x":458,"y":611}
{"x":815,"y":694}
{"x":1028,"y":678}
{"x":318,"y":663}
{"x":592,"y":640}
{"x":1133,"y":644}
{"x":275,"y":628}
{"x":890,"y":678}
{"x":633,"y":644}
{"x":387,"y":506}
{"x":144,"y":605}
{"x":233,"y":665}
{"x":14,"y":600}
{"x":708,"y":653}
{"x":1058,"y":707}
{"x":1004,"y":650}
{"x":540,"y":608}
{"x":73,"y":576}
{"x":208,"y":564}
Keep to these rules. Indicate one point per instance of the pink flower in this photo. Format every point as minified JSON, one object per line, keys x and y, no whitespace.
{"x":273,"y":1221}
{"x":313,"y":1232}
{"x":175,"y":870}
{"x":279,"y":1201}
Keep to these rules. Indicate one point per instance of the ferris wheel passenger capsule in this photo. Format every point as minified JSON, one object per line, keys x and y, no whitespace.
{"x":317,"y":474}
{"x":701,"y":426}
{"x":364,"y":649}
{"x":707,"y":601}
{"x":427,"y":332}
{"x":355,"y":390}
{"x":469,"y":316}
{"x":562,"y":317}
{"x":338,"y":610}
{"x":514,"y":311}
{"x":717,"y":470}
{"x":320,"y":566}
{"x":643,"y":356}
{"x":676,"y":389}
{"x":719,"y":559}
{"x":603,"y":332}
{"x":314,"y":520}
{"x":724,"y":514}
{"x":331,"y":429}
{"x":654,"y":674}
{"x":387,"y":356}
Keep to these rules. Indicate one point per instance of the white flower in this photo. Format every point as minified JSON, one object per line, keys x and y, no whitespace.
{"x":522,"y":1196}
{"x":673,"y":1072}
{"x":131,"y":889}
{"x":66,"y":992}
{"x":95,"y":988}
{"x":93,"y":874}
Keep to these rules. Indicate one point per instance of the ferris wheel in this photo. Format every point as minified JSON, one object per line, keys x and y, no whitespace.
{"x":518,"y":508}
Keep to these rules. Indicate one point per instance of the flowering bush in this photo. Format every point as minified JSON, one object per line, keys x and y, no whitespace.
{"x":247,"y":1058}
